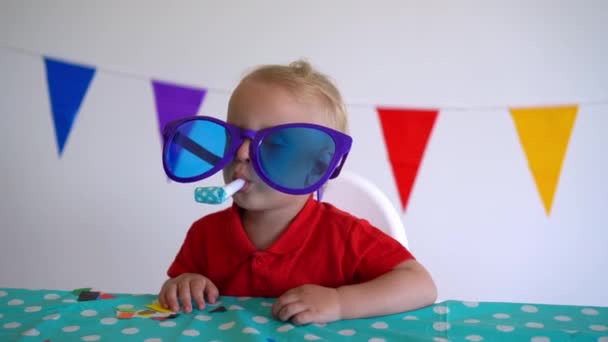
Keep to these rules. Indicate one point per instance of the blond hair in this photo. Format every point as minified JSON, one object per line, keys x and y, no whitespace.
{"x":301,"y":78}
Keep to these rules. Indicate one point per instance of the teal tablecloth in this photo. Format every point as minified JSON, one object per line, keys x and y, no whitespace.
{"x":43,"y":315}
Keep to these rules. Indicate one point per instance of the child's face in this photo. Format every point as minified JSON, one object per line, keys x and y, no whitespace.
{"x":256,"y":105}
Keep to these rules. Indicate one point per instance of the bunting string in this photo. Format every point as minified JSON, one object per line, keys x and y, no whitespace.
{"x":544,"y":130}
{"x":352,"y":104}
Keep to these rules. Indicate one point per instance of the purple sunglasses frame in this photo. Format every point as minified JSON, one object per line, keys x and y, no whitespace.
{"x":342,"y":142}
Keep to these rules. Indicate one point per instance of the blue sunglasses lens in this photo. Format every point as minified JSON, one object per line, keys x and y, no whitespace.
{"x":296,"y":157}
{"x":196,"y":148}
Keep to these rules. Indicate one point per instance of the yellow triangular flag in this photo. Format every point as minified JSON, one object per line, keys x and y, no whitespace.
{"x":544,"y":134}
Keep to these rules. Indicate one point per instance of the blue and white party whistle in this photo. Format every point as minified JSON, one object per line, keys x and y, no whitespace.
{"x":216,"y":194}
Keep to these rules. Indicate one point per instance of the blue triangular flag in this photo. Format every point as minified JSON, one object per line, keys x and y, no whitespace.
{"x":68,"y":83}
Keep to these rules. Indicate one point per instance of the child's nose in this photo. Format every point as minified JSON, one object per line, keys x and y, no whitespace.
{"x":242,"y":153}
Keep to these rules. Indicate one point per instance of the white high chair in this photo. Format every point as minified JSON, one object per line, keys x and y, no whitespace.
{"x":358,"y":196}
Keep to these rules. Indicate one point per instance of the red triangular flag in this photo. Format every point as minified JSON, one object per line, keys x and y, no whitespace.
{"x":406,"y":133}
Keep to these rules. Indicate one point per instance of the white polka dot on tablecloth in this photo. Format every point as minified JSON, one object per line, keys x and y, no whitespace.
{"x":154,"y":339}
{"x":347,"y":332}
{"x":11,"y":325}
{"x":471,"y":321}
{"x":562,"y":318}
{"x":266,"y":304}
{"x":470,"y":304}
{"x":33,"y":309}
{"x":227,"y":326}
{"x":441,"y":326}
{"x":130,"y":331}
{"x":535,"y":325}
{"x":125,"y":306}
{"x":540,"y":339}
{"x":260,"y":319}
{"x":250,"y":330}
{"x":474,"y":338}
{"x":191,"y":332}
{"x":440,"y":339}
{"x":167,"y":324}
{"x":379,"y":325}
{"x":1,"y":315}
{"x":15,"y":302}
{"x":90,"y":338}
{"x":410,"y":318}
{"x":88,"y":313}
{"x":529,"y":308}
{"x":108,"y":321}
{"x":505,"y":328}
{"x":590,"y":312}
{"x":235,"y":307}
{"x":3,"y":293}
{"x":285,"y":328}
{"x":598,"y":327}
{"x":441,"y":310}
{"x":311,"y":337}
{"x":73,"y":301}
{"x":602,"y":339}
{"x":31,"y":332}
{"x":203,"y":318}
{"x":71,"y":328}
{"x":54,"y":317}
{"x":568,"y":331}
{"x":376,"y":339}
{"x":51,"y":296}
{"x":501,"y":315}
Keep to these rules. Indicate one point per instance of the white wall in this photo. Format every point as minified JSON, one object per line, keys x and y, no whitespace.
{"x":104,"y":215}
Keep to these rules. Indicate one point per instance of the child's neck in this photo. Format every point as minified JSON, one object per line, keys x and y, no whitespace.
{"x":264,"y":227}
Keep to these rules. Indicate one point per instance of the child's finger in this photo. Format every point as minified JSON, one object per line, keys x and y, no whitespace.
{"x":161,"y":297}
{"x":291,"y":310}
{"x":304,"y":317}
{"x":171,"y":297}
{"x":184,"y":295}
{"x":197,"y":287}
{"x":286,"y":298}
{"x":211,"y":292}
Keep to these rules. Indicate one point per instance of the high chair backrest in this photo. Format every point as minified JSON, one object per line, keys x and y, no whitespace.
{"x":358,"y":196}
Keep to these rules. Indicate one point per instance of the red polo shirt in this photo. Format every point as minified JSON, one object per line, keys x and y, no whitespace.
{"x":322,"y":245}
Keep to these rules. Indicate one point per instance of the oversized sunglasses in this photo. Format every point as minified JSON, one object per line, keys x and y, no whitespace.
{"x":295,"y":158}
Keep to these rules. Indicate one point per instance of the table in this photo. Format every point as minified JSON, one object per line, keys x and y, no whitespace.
{"x":47,"y":315}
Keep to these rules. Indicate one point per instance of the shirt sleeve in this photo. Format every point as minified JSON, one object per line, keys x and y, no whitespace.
{"x":373,"y":252}
{"x":185,"y":260}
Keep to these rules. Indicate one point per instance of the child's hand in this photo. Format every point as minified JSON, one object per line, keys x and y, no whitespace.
{"x":308,"y":304}
{"x":186,"y":287}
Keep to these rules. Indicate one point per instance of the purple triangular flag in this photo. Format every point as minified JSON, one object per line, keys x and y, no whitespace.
{"x":175,"y":101}
{"x":68,"y":83}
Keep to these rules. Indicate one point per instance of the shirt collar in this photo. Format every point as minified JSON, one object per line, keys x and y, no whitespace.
{"x":293,"y":237}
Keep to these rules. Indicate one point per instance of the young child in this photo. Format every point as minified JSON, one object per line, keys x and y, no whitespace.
{"x":276,"y":240}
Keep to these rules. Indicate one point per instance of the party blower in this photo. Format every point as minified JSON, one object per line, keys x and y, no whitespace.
{"x":217,"y":194}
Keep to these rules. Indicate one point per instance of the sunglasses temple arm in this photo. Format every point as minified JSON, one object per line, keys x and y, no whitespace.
{"x":333,"y":175}
{"x":320,"y":193}
{"x":196,"y":149}
{"x":339,"y":167}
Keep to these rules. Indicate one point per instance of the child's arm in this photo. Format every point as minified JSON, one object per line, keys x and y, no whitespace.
{"x":406,"y":287}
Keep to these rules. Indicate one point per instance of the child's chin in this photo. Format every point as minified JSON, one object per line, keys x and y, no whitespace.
{"x":249,"y":201}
